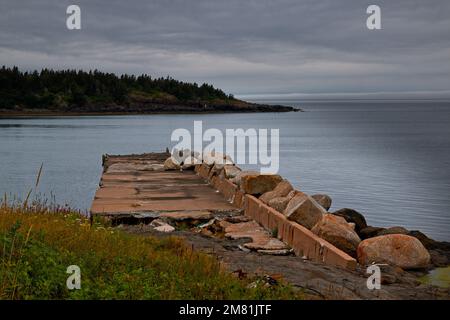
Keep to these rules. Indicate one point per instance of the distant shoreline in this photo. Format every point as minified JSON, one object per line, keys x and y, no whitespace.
{"x":256,"y":108}
{"x":87,"y":114}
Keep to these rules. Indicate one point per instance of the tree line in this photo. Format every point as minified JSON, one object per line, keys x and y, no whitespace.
{"x":63,"y":89}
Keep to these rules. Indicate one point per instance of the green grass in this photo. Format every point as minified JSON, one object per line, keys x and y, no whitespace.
{"x":37,"y":245}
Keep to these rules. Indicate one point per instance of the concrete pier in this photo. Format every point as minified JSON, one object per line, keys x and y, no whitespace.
{"x":137,"y":187}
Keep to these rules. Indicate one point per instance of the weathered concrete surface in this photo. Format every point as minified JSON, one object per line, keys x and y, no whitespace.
{"x":137,"y":185}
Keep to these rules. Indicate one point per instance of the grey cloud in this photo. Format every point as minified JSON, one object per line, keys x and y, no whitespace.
{"x":242,"y":46}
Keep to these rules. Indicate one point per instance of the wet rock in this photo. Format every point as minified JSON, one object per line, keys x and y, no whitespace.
{"x":338,"y":232}
{"x":281,"y":190}
{"x":393,"y":230}
{"x":369,"y":232}
{"x":171,"y":164}
{"x":324,"y":200}
{"x":304,"y":210}
{"x":260,"y":183}
{"x":398,"y":250}
{"x":353,"y":216}
{"x":230,"y":171}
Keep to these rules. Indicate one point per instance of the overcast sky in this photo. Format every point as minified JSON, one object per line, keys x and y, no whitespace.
{"x":245,"y":47}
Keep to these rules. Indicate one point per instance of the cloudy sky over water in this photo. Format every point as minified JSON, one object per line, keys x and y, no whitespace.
{"x":246,"y":47}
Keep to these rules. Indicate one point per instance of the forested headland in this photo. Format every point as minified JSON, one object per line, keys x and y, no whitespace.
{"x":76,"y":91}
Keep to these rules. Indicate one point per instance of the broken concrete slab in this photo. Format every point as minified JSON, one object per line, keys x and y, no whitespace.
{"x":260,"y":238}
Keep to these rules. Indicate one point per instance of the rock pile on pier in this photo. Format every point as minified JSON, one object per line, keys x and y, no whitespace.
{"x":345,"y":229}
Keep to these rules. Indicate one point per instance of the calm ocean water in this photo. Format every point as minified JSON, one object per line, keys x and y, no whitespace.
{"x":389,"y":160}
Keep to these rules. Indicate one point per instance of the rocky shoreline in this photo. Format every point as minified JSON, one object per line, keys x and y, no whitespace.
{"x":404,"y":256}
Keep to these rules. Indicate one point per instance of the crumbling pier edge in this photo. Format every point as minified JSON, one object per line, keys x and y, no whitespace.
{"x":304,"y":243}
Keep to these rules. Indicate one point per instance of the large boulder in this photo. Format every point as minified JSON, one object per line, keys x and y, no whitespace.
{"x":238,"y":178}
{"x":352,"y":216}
{"x":280,"y":203}
{"x":338,"y":232}
{"x":324,"y":200}
{"x":281,"y":190}
{"x":259,"y":183}
{"x":304,"y":210}
{"x":172,"y":164}
{"x":427,"y":242}
{"x":230,"y":171}
{"x":395,"y":249}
